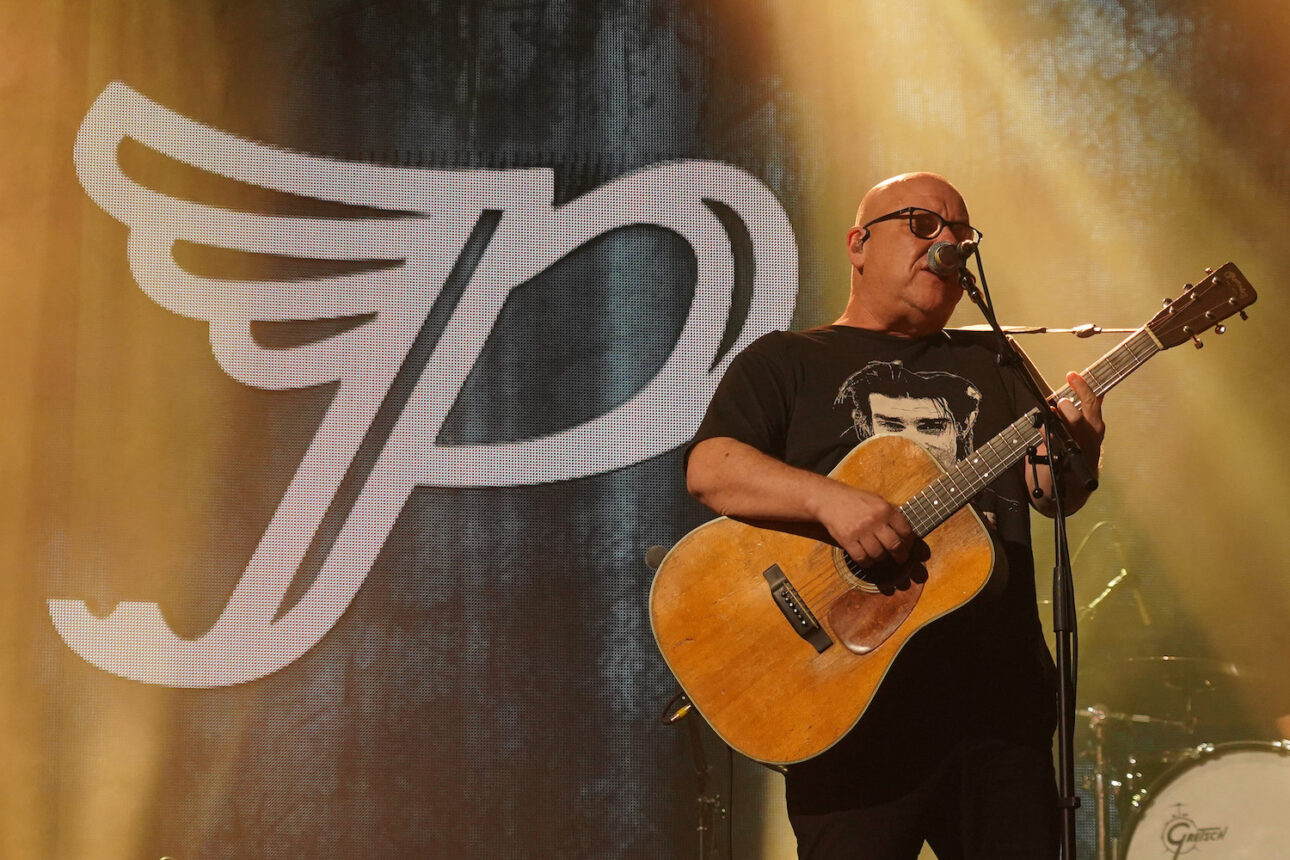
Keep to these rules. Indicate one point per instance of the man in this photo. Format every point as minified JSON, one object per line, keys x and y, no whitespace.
{"x":955,"y":748}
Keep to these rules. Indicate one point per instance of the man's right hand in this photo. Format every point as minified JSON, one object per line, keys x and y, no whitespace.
{"x":735,"y":479}
{"x":864,"y":524}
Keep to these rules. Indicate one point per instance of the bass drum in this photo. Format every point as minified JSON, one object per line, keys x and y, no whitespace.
{"x":1225,"y":802}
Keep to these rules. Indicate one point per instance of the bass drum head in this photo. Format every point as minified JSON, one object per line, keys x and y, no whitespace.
{"x":1230,"y":801}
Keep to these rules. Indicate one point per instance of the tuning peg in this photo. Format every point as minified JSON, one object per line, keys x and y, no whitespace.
{"x":1244,"y":315}
{"x":1209,"y":270}
{"x":1187,"y":331}
{"x":1220,"y":328}
{"x":1167,"y":304}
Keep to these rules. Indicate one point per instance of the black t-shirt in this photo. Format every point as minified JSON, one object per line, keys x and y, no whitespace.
{"x":807,"y":398}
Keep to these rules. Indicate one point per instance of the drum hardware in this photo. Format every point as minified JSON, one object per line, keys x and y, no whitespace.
{"x":1143,"y":771}
{"x":1097,"y":716}
{"x":1106,"y":788}
{"x":1199,"y":682}
{"x":1177,"y":692}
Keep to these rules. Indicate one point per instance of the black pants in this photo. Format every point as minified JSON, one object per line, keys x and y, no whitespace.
{"x":988,"y":801}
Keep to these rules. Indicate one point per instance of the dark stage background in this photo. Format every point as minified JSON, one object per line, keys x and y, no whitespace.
{"x":361,"y":338}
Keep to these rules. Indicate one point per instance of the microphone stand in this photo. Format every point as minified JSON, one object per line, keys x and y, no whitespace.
{"x":709,"y":802}
{"x":1062,"y":454}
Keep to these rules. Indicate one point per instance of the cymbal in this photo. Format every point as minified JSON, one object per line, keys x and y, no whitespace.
{"x":1169,"y":689}
{"x":1189,"y":674}
{"x":1095,"y":714}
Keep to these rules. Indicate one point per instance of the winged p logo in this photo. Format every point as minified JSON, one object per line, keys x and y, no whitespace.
{"x":433,"y":216}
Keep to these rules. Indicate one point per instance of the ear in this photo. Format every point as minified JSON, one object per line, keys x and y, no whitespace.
{"x":856,"y":237}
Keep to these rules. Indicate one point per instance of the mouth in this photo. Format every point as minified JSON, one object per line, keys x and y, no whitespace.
{"x":949,"y":277}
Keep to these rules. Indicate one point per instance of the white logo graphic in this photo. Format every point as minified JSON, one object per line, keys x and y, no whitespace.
{"x":246,"y":642}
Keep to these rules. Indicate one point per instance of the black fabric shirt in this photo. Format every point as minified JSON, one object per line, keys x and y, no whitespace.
{"x":807,"y":398}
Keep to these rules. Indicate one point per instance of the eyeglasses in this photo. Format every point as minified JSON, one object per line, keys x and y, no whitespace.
{"x":926,"y":224}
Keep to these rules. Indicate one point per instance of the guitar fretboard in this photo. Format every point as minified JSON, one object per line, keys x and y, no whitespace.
{"x":939,"y":500}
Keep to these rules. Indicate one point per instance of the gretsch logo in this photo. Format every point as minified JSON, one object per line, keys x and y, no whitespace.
{"x":1181,"y":835}
{"x":434,"y":216}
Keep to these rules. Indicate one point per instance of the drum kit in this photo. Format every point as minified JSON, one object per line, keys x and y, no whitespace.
{"x":1168,"y":783}
{"x":1168,"y":757}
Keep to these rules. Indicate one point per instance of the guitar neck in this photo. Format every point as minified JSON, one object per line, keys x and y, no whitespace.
{"x":939,"y":500}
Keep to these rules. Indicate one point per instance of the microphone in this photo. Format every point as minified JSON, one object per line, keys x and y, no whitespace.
{"x":946,"y":258}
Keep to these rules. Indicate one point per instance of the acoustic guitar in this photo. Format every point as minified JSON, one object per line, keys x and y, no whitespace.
{"x":781,"y":641}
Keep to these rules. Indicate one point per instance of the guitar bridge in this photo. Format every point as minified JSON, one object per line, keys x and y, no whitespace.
{"x":794,"y":609}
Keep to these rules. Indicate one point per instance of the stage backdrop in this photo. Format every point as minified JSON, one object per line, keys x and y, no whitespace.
{"x":351,"y":348}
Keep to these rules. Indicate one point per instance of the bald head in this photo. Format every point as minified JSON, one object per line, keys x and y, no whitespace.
{"x":886,"y":195}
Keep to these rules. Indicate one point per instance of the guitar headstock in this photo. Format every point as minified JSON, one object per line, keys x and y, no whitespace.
{"x":1203,"y":307}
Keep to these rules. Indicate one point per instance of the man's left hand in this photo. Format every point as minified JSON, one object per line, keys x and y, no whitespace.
{"x":1088,"y":430}
{"x":1085,"y":420}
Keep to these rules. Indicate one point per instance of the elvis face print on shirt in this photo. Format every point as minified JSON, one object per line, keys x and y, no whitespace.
{"x":935,"y":409}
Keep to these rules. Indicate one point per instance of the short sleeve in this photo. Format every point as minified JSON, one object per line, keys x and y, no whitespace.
{"x":752,"y":403}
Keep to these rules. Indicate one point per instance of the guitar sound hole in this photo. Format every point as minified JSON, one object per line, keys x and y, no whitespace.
{"x":888,"y":576}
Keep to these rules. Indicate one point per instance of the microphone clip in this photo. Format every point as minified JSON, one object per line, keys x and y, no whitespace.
{"x":968,"y":282}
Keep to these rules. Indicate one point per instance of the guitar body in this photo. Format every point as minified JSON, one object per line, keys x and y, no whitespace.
{"x":763,"y":686}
